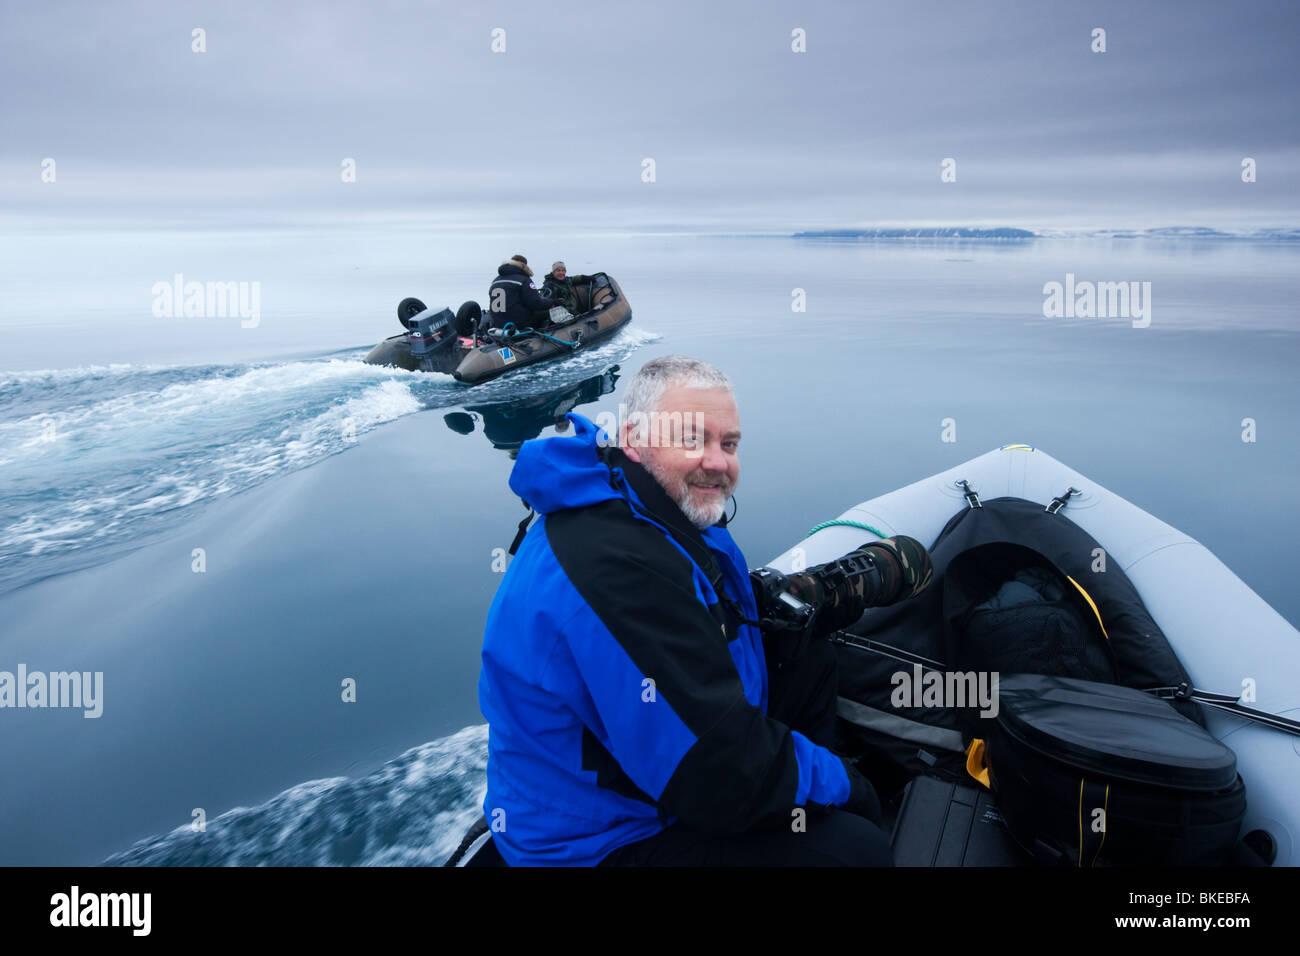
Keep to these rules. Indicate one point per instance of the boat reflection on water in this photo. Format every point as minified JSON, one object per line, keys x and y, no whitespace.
{"x":509,"y":424}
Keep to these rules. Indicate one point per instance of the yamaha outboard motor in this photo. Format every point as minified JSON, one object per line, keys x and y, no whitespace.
{"x":430,"y":334}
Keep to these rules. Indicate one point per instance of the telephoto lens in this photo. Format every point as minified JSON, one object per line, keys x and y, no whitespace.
{"x":875,"y":575}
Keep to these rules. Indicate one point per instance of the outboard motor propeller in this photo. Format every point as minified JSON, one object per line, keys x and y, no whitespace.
{"x":429,"y":334}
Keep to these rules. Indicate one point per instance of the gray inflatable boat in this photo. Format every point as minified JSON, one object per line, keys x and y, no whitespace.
{"x":1224,"y":634}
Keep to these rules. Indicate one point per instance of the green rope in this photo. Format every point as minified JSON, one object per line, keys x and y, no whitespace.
{"x":852,"y":524}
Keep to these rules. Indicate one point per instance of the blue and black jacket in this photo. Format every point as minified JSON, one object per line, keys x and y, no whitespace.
{"x":622,"y":687}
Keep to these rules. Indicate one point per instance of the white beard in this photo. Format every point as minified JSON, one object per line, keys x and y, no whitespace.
{"x":702,"y":516}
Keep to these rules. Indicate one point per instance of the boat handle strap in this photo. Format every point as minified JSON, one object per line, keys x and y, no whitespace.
{"x":1060,"y":501}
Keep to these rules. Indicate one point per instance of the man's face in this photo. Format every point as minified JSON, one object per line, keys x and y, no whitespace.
{"x":692,"y":450}
{"x":561,"y":272}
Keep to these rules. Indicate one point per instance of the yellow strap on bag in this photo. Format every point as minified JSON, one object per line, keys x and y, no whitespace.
{"x":975,"y":765}
{"x":1091,"y":604}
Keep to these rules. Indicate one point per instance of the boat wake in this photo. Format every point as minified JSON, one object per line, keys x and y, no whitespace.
{"x":94,"y":459}
{"x":412,"y":811}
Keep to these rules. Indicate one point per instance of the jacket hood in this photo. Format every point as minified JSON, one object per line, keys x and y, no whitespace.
{"x":565,"y":471}
{"x":510,"y":267}
{"x":574,"y":470}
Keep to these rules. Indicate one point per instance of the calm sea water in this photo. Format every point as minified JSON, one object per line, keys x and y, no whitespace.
{"x":344,"y":517}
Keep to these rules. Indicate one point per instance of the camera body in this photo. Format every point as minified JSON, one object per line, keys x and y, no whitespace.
{"x":777,"y":607}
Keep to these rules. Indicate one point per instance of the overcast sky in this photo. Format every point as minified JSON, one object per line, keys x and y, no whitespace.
{"x":743,"y":131}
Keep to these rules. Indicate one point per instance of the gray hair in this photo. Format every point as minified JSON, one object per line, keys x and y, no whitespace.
{"x":658,"y":375}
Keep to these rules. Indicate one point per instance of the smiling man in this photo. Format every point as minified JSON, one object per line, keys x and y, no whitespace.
{"x":689,"y":441}
{"x":633,"y":716}
{"x":559,"y":285}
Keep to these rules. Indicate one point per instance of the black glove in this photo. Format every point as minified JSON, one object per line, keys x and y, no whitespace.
{"x":862,"y":800}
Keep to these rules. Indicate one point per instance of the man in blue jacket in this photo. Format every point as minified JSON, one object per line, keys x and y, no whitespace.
{"x":624,"y":681}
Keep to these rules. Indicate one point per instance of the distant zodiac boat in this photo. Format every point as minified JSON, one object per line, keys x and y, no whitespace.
{"x":442,"y":342}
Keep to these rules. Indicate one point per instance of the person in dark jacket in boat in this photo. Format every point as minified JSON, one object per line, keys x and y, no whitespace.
{"x":512,"y":298}
{"x":621,"y":729}
{"x":558,"y":284}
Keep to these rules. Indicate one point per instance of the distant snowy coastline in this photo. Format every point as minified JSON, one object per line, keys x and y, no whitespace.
{"x":941,"y":232}
{"x":1003,"y":232}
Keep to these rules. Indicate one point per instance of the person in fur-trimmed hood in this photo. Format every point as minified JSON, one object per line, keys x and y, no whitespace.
{"x":512,"y":297}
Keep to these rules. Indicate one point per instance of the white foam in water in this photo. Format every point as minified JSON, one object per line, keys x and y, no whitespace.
{"x":86,"y":459}
{"x":39,"y":536}
{"x":412,"y":811}
{"x":96,"y":456}
{"x":381,"y":403}
{"x":78,"y":373}
{"x":188,"y":404}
